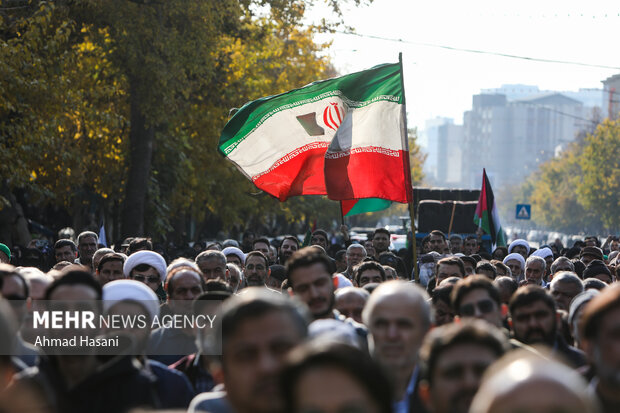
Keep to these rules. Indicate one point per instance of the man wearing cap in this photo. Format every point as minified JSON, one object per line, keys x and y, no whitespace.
{"x":516,"y":263}
{"x":546,"y":254}
{"x":135,"y":300}
{"x":589,"y":254}
{"x":149,"y":268}
{"x":597,"y":269}
{"x":519,"y":246}
{"x":5,"y":254}
{"x":213,"y":265}
{"x":234,"y":256}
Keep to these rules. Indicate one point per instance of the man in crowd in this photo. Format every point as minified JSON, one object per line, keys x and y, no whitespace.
{"x":516,"y":263}
{"x":470,"y":245}
{"x":168,"y":344}
{"x":212,"y":264}
{"x":147,"y":267}
{"x":562,"y":264}
{"x":309,"y":279}
{"x":477,"y":297}
{"x":589,"y":254}
{"x":257,"y":329}
{"x":599,"y":332}
{"x":456,"y":243}
{"x":110,"y":268}
{"x":234,"y":256}
{"x":564,"y":287}
{"x":289,"y":245}
{"x":350,"y":302}
{"x":381,"y":241}
{"x":319,"y":237}
{"x":261,"y":244}
{"x":520,"y":246}
{"x":449,"y":267}
{"x":87,"y":245}
{"x":534,"y":321}
{"x":437,"y":242}
{"x":369,"y":272}
{"x":454,"y":358}
{"x":65,"y":250}
{"x":535,"y":271}
{"x":355,"y":255}
{"x":398,"y":317}
{"x":256,"y":269}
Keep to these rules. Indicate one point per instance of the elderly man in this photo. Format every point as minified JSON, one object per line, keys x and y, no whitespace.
{"x":168,"y":344}
{"x":355,"y":255}
{"x":546,"y":254}
{"x":516,"y":263}
{"x":212,"y":264}
{"x":523,"y":381}
{"x":564,"y":287}
{"x":562,"y":264}
{"x":398,"y":317}
{"x":535,"y":271}
{"x":350,"y":302}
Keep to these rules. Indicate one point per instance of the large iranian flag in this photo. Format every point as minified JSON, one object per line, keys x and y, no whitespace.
{"x":281,"y":142}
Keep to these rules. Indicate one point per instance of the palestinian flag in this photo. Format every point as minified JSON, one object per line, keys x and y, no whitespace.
{"x":281,"y":142}
{"x":487,"y":216}
{"x":361,"y":206}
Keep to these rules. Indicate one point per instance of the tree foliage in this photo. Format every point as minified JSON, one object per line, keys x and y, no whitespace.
{"x":579,"y":191}
{"x":111,"y":106}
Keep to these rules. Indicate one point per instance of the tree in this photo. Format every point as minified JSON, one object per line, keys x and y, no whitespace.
{"x":598,"y":186}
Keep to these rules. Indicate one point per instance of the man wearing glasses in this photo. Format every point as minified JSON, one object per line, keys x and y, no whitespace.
{"x":147,"y":267}
{"x":477,"y":297}
{"x":256,"y":269}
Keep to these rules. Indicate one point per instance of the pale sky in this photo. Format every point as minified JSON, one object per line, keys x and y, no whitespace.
{"x":441,"y":82}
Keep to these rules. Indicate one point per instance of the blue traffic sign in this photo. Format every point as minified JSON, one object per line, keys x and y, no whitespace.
{"x":524,"y":211}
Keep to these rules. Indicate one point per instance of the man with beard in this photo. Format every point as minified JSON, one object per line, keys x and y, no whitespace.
{"x":310,"y":279}
{"x":381,"y":241}
{"x":599,"y":329}
{"x":289,"y":245}
{"x":454,"y":357}
{"x":256,"y":269}
{"x":257,"y":328}
{"x":534,"y":321}
{"x":398,"y":315}
{"x":87,"y":245}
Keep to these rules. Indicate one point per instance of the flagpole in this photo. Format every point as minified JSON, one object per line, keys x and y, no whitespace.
{"x":407,"y":172}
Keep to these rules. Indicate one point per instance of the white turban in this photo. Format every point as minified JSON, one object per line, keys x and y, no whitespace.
{"x":146,"y":257}
{"x":543,"y":253}
{"x":235,"y":251}
{"x":130,"y":290}
{"x":515,"y":256}
{"x":521,"y":242}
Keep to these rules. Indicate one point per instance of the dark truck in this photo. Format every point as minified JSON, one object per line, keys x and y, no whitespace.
{"x":448,"y":210}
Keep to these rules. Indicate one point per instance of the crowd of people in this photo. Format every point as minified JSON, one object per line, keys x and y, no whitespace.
{"x":321,"y":328}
